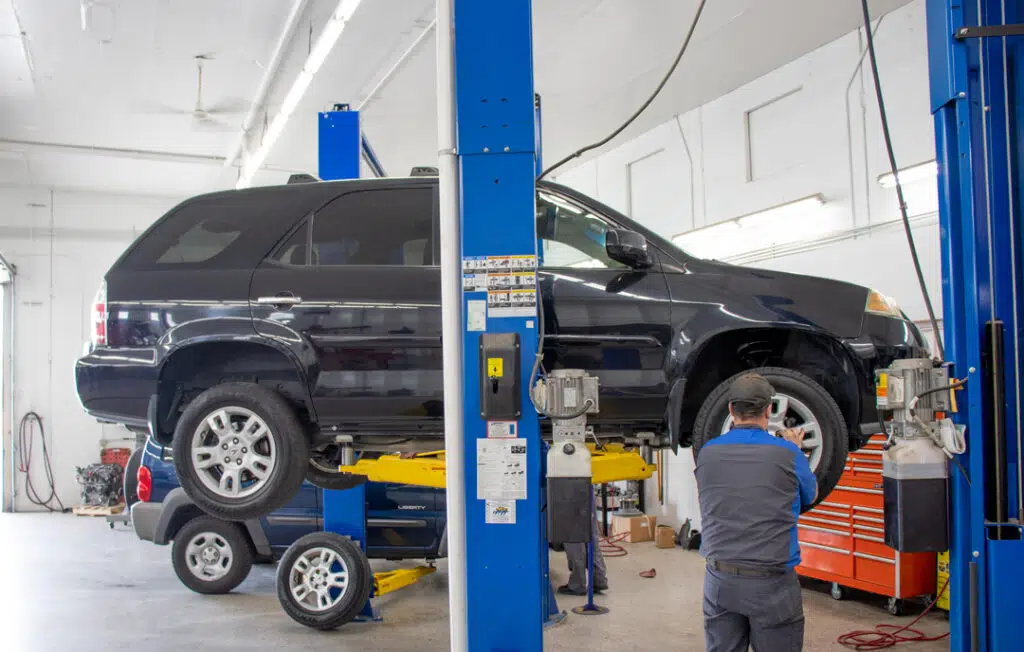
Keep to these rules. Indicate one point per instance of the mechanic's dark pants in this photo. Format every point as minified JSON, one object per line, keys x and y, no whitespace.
{"x":576,"y":555}
{"x":766,"y":613}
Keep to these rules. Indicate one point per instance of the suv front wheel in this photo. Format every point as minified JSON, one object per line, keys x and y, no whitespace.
{"x":240,"y":451}
{"x":799,"y":402}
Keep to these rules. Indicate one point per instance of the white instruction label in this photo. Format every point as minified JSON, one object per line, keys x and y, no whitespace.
{"x":501,"y":429}
{"x":500,"y":511}
{"x":501,"y":469}
{"x":476,"y":315}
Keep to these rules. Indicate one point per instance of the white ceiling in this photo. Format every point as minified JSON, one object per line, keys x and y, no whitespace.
{"x":113,"y":85}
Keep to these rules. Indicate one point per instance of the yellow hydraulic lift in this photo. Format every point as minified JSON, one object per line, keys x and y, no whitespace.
{"x":610,"y":463}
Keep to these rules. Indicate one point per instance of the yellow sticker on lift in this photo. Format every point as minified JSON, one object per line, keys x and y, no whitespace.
{"x":495,"y":367}
{"x":883,"y":385}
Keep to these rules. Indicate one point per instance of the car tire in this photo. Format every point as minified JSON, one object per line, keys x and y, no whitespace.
{"x":211,"y":556}
{"x":131,"y":478}
{"x":305,"y":575}
{"x":264,"y":446}
{"x":808,"y":401}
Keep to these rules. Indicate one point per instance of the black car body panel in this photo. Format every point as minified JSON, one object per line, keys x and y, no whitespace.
{"x":356,"y":345}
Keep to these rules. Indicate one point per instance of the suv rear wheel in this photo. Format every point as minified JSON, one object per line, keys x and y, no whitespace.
{"x":799,"y":403}
{"x":240,"y":451}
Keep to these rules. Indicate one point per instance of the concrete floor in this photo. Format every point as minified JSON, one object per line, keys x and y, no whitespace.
{"x":74,"y":584}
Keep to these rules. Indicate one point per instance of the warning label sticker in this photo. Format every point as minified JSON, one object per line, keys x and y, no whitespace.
{"x":501,"y":429}
{"x":510,"y":283}
{"x":501,"y":469}
{"x":500,"y":511}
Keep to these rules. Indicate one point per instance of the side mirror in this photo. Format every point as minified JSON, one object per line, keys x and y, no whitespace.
{"x":628,"y":248}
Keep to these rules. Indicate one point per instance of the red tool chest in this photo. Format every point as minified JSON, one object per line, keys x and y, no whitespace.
{"x":842,"y":539}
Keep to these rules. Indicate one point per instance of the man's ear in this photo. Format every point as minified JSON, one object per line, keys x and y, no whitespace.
{"x":768,"y":411}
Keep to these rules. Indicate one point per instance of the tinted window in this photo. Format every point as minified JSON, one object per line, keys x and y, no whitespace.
{"x":294,"y":249}
{"x":376,"y":227}
{"x":570,"y":236}
{"x":230,"y":230}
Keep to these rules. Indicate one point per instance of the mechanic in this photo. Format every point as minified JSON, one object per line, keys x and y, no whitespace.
{"x":576,"y":555}
{"x":752,"y":486}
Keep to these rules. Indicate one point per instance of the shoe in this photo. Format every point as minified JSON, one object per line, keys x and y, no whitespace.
{"x":566,"y":590}
{"x":600,"y":589}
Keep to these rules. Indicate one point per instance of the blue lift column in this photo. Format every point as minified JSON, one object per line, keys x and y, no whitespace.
{"x":496,"y":169}
{"x":976,"y":61}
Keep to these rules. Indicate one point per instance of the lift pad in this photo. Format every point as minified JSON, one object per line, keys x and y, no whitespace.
{"x":610,"y":463}
{"x":389,"y":581}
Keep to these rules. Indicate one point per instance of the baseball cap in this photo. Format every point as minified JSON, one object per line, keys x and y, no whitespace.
{"x":751,"y":388}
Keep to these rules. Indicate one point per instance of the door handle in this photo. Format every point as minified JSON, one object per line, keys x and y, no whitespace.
{"x":281,"y":300}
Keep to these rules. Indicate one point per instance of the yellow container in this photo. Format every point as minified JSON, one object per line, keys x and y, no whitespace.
{"x":941,"y":576}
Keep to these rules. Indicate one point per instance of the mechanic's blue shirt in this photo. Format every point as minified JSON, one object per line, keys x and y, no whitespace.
{"x":751,"y":487}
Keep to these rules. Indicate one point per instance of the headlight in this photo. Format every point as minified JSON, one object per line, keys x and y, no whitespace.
{"x":879,"y":304}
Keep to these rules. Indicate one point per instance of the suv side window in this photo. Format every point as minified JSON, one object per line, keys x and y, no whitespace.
{"x":570,"y":236}
{"x":392,"y":226}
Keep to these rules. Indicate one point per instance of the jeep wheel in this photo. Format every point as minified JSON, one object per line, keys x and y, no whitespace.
{"x":323,"y":580}
{"x":799,"y":403}
{"x":210,"y":555}
{"x":240,"y":451}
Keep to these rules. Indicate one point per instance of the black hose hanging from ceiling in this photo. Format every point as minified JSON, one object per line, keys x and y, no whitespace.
{"x":899,"y":186}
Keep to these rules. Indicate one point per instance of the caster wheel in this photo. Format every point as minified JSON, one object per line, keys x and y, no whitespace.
{"x":895,"y":606}
{"x":838,"y":592}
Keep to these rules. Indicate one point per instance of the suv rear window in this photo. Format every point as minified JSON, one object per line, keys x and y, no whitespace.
{"x":219,"y":231}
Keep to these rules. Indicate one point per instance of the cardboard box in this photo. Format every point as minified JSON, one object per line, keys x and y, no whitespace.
{"x":636,"y":528}
{"x":665,"y":537}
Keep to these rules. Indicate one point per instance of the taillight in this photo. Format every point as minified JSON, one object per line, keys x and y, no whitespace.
{"x":145,"y":488}
{"x":99,"y":316}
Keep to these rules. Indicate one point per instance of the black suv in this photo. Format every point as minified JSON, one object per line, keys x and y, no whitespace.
{"x":271,"y":331}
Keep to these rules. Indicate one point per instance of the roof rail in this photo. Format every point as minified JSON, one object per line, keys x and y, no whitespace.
{"x":302,"y":178}
{"x":423,"y":171}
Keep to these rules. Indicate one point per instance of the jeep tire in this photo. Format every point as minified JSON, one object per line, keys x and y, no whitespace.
{"x":211,"y":556}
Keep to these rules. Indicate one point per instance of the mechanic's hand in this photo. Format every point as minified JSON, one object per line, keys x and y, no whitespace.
{"x":793,"y":435}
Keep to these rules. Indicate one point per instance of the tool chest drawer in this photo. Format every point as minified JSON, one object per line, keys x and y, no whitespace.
{"x":842,"y":540}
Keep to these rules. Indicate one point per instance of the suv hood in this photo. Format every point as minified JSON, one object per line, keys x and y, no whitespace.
{"x":833,"y":306}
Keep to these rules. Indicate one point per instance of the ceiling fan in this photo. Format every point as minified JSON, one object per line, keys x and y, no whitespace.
{"x":205,"y":116}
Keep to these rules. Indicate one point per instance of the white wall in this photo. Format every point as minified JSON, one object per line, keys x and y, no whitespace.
{"x":809,"y":127}
{"x":61,"y":243}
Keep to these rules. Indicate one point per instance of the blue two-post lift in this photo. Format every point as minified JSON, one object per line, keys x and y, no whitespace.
{"x":500,"y":593}
{"x":976,"y":61}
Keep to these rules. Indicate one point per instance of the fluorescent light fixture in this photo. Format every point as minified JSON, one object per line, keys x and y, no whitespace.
{"x":317,"y":55}
{"x":789,"y":211}
{"x":784,"y":224}
{"x":912,"y":174}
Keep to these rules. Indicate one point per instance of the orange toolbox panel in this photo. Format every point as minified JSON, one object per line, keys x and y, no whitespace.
{"x":842,"y":540}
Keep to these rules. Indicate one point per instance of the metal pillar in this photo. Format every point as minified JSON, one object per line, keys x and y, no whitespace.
{"x":339,"y":149}
{"x":500,"y":594}
{"x":977,"y":77}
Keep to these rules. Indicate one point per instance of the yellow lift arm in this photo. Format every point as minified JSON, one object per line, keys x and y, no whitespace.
{"x":610,"y":463}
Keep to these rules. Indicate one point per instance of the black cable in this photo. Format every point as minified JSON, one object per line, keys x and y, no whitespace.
{"x":895,"y":173}
{"x":643,"y":107}
{"x":963,"y":471}
{"x":25,"y":463}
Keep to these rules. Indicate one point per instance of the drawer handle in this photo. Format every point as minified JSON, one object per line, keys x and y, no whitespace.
{"x":877,"y":492}
{"x":868,"y":509}
{"x":823,"y":529}
{"x":865,"y":537}
{"x":819,"y":546}
{"x":825,"y":521}
{"x":870,"y":519}
{"x":821,"y":512}
{"x":866,"y":451}
{"x":826,"y":503}
{"x":863,"y":555}
{"x":858,"y":526}
{"x":866,"y":469}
